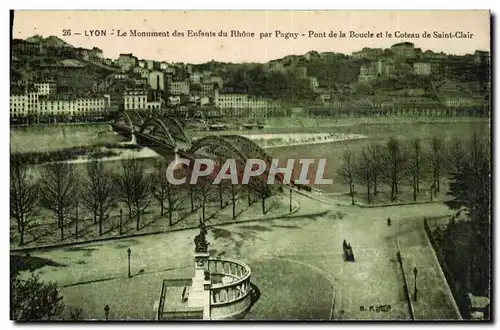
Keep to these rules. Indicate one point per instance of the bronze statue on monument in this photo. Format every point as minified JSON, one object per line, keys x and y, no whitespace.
{"x":200,"y":241}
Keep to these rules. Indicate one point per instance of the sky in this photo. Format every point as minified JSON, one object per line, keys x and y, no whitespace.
{"x":475,"y":24}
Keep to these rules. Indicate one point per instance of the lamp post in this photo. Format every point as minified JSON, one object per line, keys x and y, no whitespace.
{"x":129,"y":252}
{"x":415,"y":272}
{"x":290,"y":199}
{"x":106,"y":311}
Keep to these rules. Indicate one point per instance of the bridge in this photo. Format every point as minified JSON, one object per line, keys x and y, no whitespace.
{"x":166,"y":135}
{"x":164,"y":131}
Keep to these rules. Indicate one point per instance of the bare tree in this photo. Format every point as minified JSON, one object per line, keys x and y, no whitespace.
{"x":234,"y":195}
{"x":164,"y":191}
{"x":346,"y":172}
{"x":98,"y":191}
{"x":203,"y":193}
{"x":395,"y":164}
{"x":133,"y":188}
{"x":376,"y":155}
{"x":59,"y":187}
{"x":363,"y":172}
{"x":23,"y":196}
{"x":436,"y":161}
{"x":415,"y":166}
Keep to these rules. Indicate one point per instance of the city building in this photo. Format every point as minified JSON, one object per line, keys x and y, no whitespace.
{"x":404,"y":50}
{"x":207,"y":87}
{"x":243,"y":105}
{"x":141,"y":63}
{"x":367,"y":72}
{"x":174,"y":100}
{"x":163,"y":65}
{"x":195,"y":77}
{"x":96,"y":53}
{"x":19,"y":105}
{"x":84,"y":53}
{"x":313,"y":82}
{"x":372,"y":70}
{"x":142,"y":72}
{"x":179,"y":88}
{"x":26,"y":47}
{"x":72,"y":107}
{"x":367,"y":53}
{"x":481,"y":57}
{"x":143,"y":82}
{"x":120,"y":76}
{"x":126,"y":61}
{"x":153,"y":105}
{"x":157,"y":80}
{"x":206,"y":75}
{"x":215,"y":80}
{"x":462,"y":102}
{"x":134,"y":99}
{"x":422,"y":68}
{"x":150,"y":65}
{"x":45,"y":88}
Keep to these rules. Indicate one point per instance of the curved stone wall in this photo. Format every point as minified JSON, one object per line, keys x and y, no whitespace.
{"x":232,"y":299}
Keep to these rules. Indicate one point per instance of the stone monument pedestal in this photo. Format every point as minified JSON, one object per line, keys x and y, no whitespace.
{"x":199,"y":296}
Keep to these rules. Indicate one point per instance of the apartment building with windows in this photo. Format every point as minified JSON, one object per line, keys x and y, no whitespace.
{"x":422,"y":68}
{"x":134,"y":99}
{"x":72,"y":107}
{"x":179,"y":88}
{"x":126,"y":61}
{"x":195,"y":77}
{"x":367,"y":53}
{"x":142,"y":72}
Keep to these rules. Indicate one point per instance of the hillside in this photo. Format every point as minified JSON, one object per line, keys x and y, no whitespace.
{"x":51,"y":41}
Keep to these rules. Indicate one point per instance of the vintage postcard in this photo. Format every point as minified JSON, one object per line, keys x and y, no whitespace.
{"x":250,"y":165}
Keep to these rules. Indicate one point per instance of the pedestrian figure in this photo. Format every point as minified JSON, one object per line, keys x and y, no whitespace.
{"x":388,"y":221}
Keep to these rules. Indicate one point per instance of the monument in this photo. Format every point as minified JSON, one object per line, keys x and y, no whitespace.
{"x":199,"y":295}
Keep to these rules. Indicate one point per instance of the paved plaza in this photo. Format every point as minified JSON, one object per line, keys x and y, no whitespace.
{"x":296,"y":263}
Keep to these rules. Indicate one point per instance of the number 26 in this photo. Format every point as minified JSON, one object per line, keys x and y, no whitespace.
{"x":66,"y":32}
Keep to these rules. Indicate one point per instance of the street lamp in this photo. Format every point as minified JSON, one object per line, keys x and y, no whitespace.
{"x":290,"y":199}
{"x":129,"y":252}
{"x":106,"y":311}
{"x":415,"y":272}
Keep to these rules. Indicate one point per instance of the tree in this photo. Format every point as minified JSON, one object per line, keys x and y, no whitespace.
{"x":163,"y":191}
{"x":395,"y":164}
{"x":376,"y":158}
{"x":32,"y":300}
{"x":456,"y":155}
{"x":23,"y":196}
{"x":363,"y":172}
{"x":98,"y":191}
{"x":133,"y":188}
{"x":204,"y":193}
{"x":346,"y":172}
{"x":415,"y":166}
{"x":59,"y":189}
{"x":435,"y":161}
{"x":234,"y":195}
{"x":471,"y":189}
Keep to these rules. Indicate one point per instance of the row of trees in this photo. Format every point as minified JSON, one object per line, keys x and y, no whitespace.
{"x":415,"y":163}
{"x":61,"y":190}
